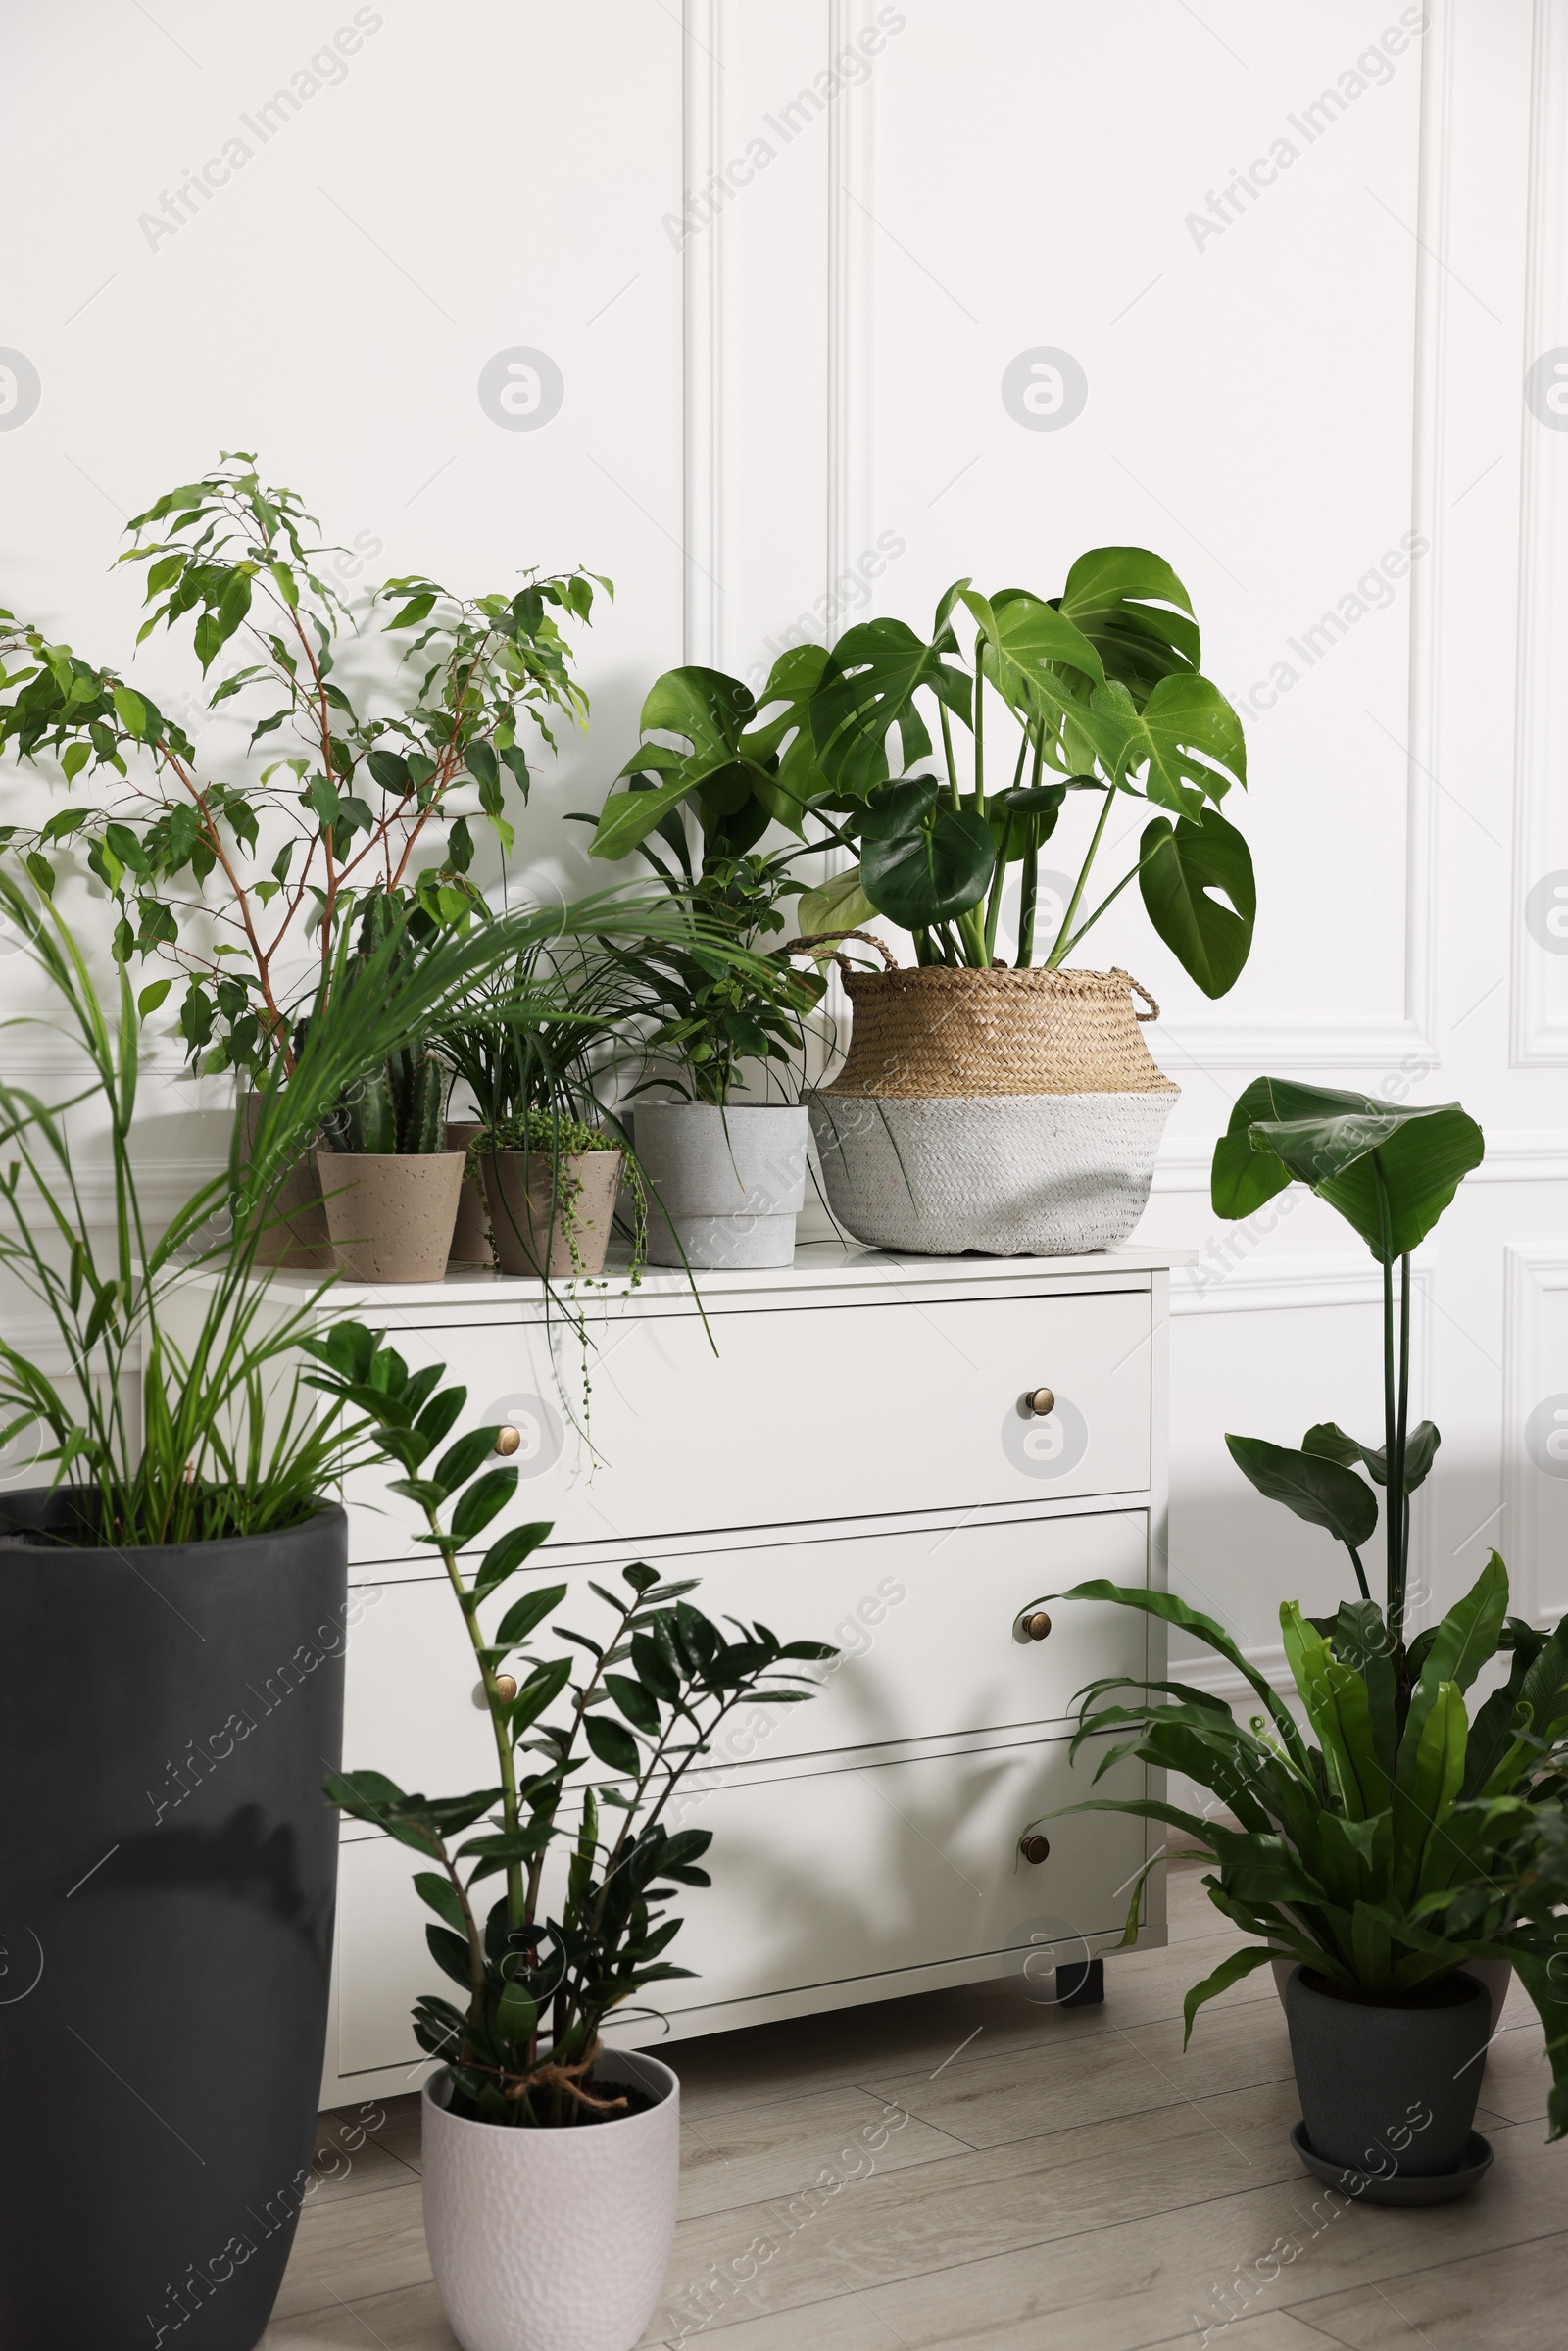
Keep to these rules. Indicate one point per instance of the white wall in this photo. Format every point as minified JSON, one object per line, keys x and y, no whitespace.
{"x":786,"y":403}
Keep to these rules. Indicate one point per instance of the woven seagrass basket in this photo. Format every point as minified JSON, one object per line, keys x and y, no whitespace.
{"x":1017,"y":1113}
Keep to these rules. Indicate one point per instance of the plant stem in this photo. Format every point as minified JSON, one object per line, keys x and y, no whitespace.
{"x":953,"y":794}
{"x":1062,"y":939}
{"x":993,"y":909}
{"x":1394,"y":1515}
{"x":516,"y":1907}
{"x":1405,"y":1424}
{"x":979,"y":729}
{"x":1361,"y":1571}
{"x":1029,"y":876}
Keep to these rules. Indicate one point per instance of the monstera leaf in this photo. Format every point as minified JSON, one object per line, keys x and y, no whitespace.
{"x":711,"y":713}
{"x":1121,"y":599}
{"x":941,"y":869}
{"x":876,"y":673}
{"x":1181,"y":865}
{"x":1186,"y":739}
{"x":1389,"y":1168}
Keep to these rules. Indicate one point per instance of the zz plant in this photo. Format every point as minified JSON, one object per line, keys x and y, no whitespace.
{"x":1098,"y":690}
{"x":591,"y":1750}
{"x":1404,"y":1837}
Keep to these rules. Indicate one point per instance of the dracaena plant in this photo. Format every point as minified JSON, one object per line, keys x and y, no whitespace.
{"x":1390,"y":1170}
{"x":579,"y":1835}
{"x":1408,"y":1839}
{"x":238,"y":885}
{"x":1095,"y":691}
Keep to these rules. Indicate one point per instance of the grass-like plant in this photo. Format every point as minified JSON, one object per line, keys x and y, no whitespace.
{"x":227,"y":1444}
{"x":591,"y":1750}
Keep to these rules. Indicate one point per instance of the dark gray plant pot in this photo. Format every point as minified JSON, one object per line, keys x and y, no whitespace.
{"x":168,"y":1873}
{"x":1368,"y":2073}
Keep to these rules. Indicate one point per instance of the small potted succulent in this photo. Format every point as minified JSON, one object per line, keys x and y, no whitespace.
{"x":725,"y":1170}
{"x":1410,"y":1842}
{"x":551,"y":2161}
{"x":994,"y":1098}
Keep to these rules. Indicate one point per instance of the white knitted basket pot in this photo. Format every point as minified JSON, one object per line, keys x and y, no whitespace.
{"x":1016,"y":1113}
{"x":553,"y":2240}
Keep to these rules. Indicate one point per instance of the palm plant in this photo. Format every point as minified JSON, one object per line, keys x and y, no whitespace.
{"x":226,"y":1444}
{"x":1406,"y":1841}
{"x":590,"y":1758}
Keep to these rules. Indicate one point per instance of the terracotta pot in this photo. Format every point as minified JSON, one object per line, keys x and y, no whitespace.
{"x":471,"y":1241}
{"x":294,"y":1233}
{"x":391,"y":1214}
{"x":550,"y":1223}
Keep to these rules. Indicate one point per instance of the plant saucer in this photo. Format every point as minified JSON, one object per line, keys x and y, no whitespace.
{"x":1412,"y":2188}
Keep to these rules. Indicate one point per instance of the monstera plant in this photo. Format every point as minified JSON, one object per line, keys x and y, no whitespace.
{"x":1096,"y":690}
{"x":1390,"y":1170}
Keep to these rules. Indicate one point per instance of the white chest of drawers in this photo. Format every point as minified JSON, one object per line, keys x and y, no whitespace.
{"x":840,"y":1450}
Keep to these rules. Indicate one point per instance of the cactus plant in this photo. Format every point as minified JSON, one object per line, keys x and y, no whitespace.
{"x":399,"y":1107}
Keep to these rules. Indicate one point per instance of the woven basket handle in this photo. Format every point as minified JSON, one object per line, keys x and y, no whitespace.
{"x":820,"y":939}
{"x":1138,"y":989}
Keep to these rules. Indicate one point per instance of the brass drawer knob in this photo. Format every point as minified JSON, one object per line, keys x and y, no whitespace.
{"x":505,"y":1688}
{"x":1042,"y":1401}
{"x":1036,"y":1626}
{"x":1035,"y":1849}
{"x":507,"y":1440}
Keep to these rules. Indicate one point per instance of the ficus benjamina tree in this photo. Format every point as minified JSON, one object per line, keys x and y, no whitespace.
{"x":1098,"y":690}
{"x":237,"y":883}
{"x":581,"y":1831}
{"x":1386,"y":1844}
{"x":1390,"y":1170}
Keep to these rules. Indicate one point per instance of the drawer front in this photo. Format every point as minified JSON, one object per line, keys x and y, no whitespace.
{"x":850,"y":1412}
{"x":817,"y":1881}
{"x":923,"y":1624}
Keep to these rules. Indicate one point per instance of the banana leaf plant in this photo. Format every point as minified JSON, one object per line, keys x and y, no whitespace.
{"x":1399,"y":1845}
{"x":1100,"y":691}
{"x":1390,"y":1170}
{"x":591,"y":1750}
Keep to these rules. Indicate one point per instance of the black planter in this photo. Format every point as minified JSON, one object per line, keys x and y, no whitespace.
{"x":168,"y":1873}
{"x":1369,"y":2072}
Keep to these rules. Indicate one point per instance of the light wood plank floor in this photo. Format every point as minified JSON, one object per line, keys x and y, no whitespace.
{"x":978,"y":2168}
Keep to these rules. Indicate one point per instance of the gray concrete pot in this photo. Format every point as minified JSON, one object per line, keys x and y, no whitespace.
{"x":547,"y":1223}
{"x":470,"y":1237}
{"x":1389,"y":2079}
{"x":391,"y":1214}
{"x":725,"y":1186}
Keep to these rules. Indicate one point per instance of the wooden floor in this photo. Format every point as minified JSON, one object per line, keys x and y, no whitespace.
{"x":974,"y":2168}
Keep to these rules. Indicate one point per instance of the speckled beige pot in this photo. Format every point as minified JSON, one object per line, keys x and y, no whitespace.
{"x":530,"y":1215}
{"x":471,"y":1241}
{"x":391,"y":1214}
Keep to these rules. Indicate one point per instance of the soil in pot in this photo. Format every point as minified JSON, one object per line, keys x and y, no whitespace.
{"x":1011,"y":1113}
{"x":391,"y":1214}
{"x":470,"y":1236}
{"x":552,"y":1217}
{"x":554,"y":2240}
{"x":168,"y":1867}
{"x":1384,"y":2080}
{"x":725,"y":1186}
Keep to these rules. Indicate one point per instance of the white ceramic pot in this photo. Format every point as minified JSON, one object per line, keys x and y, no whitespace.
{"x":723,"y":1186}
{"x":553,"y":2240}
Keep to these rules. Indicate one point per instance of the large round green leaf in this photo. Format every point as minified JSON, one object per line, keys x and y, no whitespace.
{"x":895,"y":810}
{"x":1181,"y":865}
{"x":1389,"y":1168}
{"x":926,"y":877}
